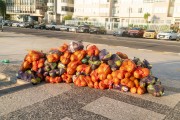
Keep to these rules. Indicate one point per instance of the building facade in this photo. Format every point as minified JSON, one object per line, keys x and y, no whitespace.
{"x":26,"y":10}
{"x":96,"y":10}
{"x":127,"y":11}
{"x":58,"y":9}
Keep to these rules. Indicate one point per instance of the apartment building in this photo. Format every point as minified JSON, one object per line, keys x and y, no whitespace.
{"x":26,"y":10}
{"x":176,"y":13}
{"x":95,"y":10}
{"x":132,"y":11}
{"x":127,"y":11}
{"x":57,"y":9}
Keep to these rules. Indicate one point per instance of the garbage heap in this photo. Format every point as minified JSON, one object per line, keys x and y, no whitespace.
{"x":92,"y":67}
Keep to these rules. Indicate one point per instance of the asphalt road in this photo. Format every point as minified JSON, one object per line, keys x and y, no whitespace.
{"x":138,"y":43}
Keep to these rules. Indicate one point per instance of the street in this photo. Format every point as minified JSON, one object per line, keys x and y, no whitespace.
{"x":69,"y":102}
{"x":139,"y":43}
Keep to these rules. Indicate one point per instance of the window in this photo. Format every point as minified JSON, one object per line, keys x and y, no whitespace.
{"x":139,"y":10}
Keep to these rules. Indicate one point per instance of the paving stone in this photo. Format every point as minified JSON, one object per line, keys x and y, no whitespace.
{"x":174,"y":115}
{"x":117,"y":110}
{"x":147,"y":104}
{"x":2,"y":76}
{"x":66,"y":118}
{"x":29,"y":96}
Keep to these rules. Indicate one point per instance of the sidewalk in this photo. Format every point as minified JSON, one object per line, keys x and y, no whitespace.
{"x":165,"y":66}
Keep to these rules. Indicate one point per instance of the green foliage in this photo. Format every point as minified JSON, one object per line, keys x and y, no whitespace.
{"x":146,"y":16}
{"x":86,"y":18}
{"x":130,"y":25}
{"x":2,"y":8}
{"x":68,"y":17}
{"x":174,"y":27}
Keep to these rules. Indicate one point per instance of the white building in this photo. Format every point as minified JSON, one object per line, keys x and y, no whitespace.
{"x":132,"y":11}
{"x":125,"y":11}
{"x":96,"y":10}
{"x":176,"y":14}
{"x":57,"y":9}
{"x":26,"y":9}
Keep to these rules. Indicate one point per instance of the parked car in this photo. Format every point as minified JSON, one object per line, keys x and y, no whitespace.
{"x":178,"y":37}
{"x":167,"y":35}
{"x":11,"y":22}
{"x":97,"y":30}
{"x":150,"y":34}
{"x":73,"y":28}
{"x":15,"y":24}
{"x":136,"y":32}
{"x":29,"y":25}
{"x":83,"y":29}
{"x":6,"y":22}
{"x":123,"y":31}
{"x":62,"y":27}
{"x":21,"y":24}
{"x":40,"y":26}
{"x":51,"y":26}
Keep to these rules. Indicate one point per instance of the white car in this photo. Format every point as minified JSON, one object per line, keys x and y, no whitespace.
{"x":170,"y":35}
{"x":51,"y":26}
{"x":62,"y":27}
{"x":178,"y":37}
{"x":73,"y":28}
{"x":15,"y":24}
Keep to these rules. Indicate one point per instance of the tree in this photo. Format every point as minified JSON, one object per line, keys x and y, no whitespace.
{"x":86,"y":18}
{"x":146,"y":16}
{"x":2,"y":8}
{"x":67,"y":17}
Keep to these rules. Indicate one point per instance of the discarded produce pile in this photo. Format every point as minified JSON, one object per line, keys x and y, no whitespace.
{"x":90,"y":67}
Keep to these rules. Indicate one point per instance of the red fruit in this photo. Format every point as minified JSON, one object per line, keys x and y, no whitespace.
{"x":83,"y":83}
{"x":146,"y":72}
{"x":130,"y":84}
{"x":102,"y":86}
{"x":90,"y":84}
{"x":140,"y":90}
{"x":133,"y":90}
{"x":96,"y":85}
{"x":26,"y":65}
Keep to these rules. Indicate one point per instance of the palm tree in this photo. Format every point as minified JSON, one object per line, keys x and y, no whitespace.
{"x":146,"y":16}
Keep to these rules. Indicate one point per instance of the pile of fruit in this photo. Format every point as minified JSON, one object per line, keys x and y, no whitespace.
{"x":92,"y":67}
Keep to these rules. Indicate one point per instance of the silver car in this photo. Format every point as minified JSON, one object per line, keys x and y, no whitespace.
{"x":178,"y":37}
{"x":123,"y":31}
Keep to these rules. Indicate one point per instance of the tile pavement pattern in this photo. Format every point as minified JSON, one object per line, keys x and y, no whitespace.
{"x":92,"y":104}
{"x":85,"y":104}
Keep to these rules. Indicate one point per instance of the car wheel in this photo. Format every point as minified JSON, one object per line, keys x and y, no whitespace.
{"x":123,"y":34}
{"x":170,"y":38}
{"x":53,"y":28}
{"x":177,"y":39}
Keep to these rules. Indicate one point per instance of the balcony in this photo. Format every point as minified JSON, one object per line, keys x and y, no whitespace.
{"x":50,"y":4}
